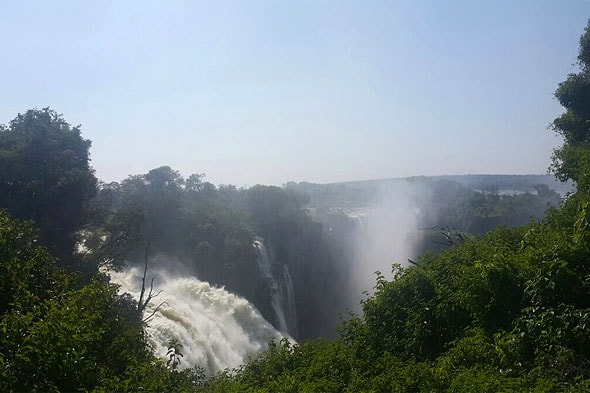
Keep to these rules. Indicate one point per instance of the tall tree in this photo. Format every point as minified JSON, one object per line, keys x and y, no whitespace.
{"x":572,"y":160}
{"x":45,"y":176}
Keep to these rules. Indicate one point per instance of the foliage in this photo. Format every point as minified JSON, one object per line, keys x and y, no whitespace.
{"x":45,"y":176}
{"x":210,"y":232}
{"x":57,"y":335}
{"x":572,"y":160}
{"x":507,"y":312}
{"x":178,"y":217}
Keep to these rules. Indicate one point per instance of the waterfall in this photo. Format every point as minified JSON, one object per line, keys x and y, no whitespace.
{"x":217,"y":329}
{"x":282,"y":295}
{"x":290,"y":301}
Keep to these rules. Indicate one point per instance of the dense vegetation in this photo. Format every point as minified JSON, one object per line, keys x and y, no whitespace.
{"x":45,"y":176}
{"x":507,"y":311}
{"x":59,"y":334}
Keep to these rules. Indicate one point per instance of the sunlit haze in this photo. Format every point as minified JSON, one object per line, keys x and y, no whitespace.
{"x":268,"y":92}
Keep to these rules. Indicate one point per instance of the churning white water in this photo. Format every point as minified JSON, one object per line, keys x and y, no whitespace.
{"x":217,"y":329}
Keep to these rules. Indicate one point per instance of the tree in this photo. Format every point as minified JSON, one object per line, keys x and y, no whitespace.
{"x":45,"y":176}
{"x":58,"y":335}
{"x":572,"y":160}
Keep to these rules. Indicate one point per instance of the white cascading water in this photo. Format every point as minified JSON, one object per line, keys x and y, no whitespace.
{"x":290,"y":300}
{"x":282,"y":298}
{"x":217,"y":329}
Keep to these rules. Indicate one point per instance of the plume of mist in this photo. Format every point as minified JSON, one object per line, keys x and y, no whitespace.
{"x":387,"y":233}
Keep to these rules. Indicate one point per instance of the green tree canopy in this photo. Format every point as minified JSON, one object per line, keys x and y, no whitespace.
{"x":45,"y":176}
{"x":59,"y":336}
{"x":572,"y":160}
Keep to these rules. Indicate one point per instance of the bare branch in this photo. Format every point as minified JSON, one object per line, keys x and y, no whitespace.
{"x":450,"y":236}
{"x":146,"y":319}
{"x":141,"y":305}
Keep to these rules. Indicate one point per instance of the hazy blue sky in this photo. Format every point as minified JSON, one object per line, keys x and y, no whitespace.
{"x":272,"y":91}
